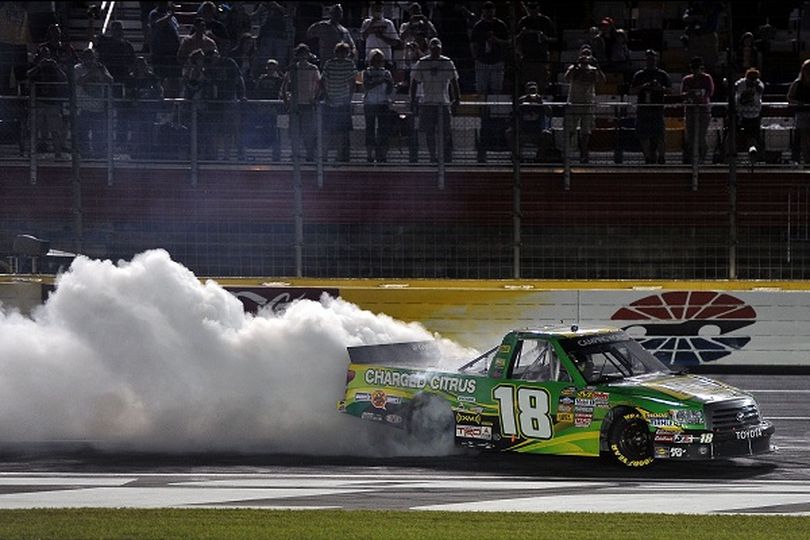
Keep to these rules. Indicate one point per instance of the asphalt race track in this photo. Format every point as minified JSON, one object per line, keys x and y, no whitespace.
{"x":776,"y":483}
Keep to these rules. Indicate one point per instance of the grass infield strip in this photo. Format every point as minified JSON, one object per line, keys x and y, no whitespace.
{"x":333,"y":524}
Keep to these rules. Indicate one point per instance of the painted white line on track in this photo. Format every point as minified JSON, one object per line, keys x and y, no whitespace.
{"x":801,"y":418}
{"x":778,"y":391}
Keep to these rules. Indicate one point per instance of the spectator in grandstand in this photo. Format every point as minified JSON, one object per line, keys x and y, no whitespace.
{"x":747,"y":55}
{"x":338,"y":81}
{"x":229,"y":92}
{"x":273,"y":41}
{"x":197,"y":39}
{"x":299,"y":90}
{"x":697,"y":89}
{"x":378,"y":84}
{"x":748,"y":93}
{"x":116,"y":52}
{"x":268,"y":87}
{"x":214,"y":27}
{"x":582,"y":78}
{"x":489,"y":41}
{"x":380,"y":34}
{"x":534,"y":123}
{"x":602,"y":42}
{"x":50,"y":87}
{"x":417,"y":29}
{"x":650,"y":84}
{"x":536,"y":32}
{"x":619,"y":61}
{"x":92,"y":86}
{"x":14,"y":39}
{"x":58,"y":49}
{"x":41,"y":15}
{"x":237,"y":20}
{"x":701,"y":21}
{"x":164,"y":42}
{"x":143,"y":92}
{"x":329,"y":33}
{"x":799,"y":96}
{"x":244,"y":53}
{"x":437,"y":76}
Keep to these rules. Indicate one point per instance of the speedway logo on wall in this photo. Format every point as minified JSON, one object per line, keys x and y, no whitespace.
{"x":688,"y":327}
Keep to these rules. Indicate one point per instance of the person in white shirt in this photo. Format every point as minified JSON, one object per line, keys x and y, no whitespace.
{"x":748,"y":94}
{"x":437,"y":76}
{"x":379,"y":33}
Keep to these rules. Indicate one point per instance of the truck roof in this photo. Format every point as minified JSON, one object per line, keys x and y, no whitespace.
{"x":563,"y":331}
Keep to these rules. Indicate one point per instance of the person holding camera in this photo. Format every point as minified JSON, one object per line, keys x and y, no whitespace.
{"x":489,"y":40}
{"x":582,"y":78}
{"x":697,"y":89}
{"x":379,"y":33}
{"x":92,"y":85}
{"x":417,"y":29}
{"x":535,"y":33}
{"x":748,"y":94}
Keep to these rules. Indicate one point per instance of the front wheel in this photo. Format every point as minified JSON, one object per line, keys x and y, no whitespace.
{"x":629,"y":440}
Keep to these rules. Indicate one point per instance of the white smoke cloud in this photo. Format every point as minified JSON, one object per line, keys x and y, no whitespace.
{"x":142,"y":356}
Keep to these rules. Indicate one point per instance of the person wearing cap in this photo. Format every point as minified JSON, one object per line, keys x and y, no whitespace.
{"x":697,"y":89}
{"x":582,"y":79}
{"x":437,"y":76}
{"x":649,"y":85}
{"x":535,"y":33}
{"x":299,"y":90}
{"x":489,"y":40}
{"x":534,"y":123}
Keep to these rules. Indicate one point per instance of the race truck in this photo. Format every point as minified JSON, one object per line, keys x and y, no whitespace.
{"x":564,"y":391}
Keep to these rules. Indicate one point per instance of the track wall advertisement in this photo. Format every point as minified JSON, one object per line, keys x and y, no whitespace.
{"x":682,"y":326}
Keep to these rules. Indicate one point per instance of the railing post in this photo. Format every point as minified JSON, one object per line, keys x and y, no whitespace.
{"x":193,"y":143}
{"x":32,"y":128}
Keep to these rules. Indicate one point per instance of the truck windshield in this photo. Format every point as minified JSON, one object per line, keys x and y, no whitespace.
{"x":479,"y":365}
{"x":608,"y":357}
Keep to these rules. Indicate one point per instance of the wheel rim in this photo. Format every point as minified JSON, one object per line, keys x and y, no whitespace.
{"x":635,"y":441}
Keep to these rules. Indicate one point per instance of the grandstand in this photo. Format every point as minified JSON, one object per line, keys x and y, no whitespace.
{"x":156,"y":180}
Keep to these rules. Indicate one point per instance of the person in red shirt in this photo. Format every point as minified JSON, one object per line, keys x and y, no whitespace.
{"x":697,"y":89}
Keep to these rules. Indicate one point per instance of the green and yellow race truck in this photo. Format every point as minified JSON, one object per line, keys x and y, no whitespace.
{"x":563,"y":391}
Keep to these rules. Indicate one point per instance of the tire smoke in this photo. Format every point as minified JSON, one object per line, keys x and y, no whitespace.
{"x":142,"y":356}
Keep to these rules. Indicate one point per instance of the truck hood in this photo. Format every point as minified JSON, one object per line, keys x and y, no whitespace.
{"x":681,"y":387}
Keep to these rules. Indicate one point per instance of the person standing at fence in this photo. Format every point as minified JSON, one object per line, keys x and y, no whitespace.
{"x":51,"y":89}
{"x":144,"y":93}
{"x":438,"y":78}
{"x":697,"y":89}
{"x":748,"y":93}
{"x":299,"y":92}
{"x":799,"y":97}
{"x":92,"y":85}
{"x":377,"y":86}
{"x":268,"y":87}
{"x":329,"y":33}
{"x":115,"y":52}
{"x":489,"y":40}
{"x":273,"y":39}
{"x":582,"y":78}
{"x":649,"y":85}
{"x":338,"y":80}
{"x":164,"y":42}
{"x":229,"y":93}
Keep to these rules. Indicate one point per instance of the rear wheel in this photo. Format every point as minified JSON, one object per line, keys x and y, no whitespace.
{"x":430,"y":419}
{"x":629,"y":441}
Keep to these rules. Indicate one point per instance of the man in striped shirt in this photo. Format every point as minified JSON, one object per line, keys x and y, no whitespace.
{"x":338,"y":82}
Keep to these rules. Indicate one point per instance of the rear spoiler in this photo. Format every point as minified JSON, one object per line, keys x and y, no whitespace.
{"x":411,"y":353}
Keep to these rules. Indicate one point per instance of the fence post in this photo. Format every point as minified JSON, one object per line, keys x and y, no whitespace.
{"x":78,"y":211}
{"x":695,"y":147}
{"x":193,"y":143}
{"x":319,"y":143}
{"x":442,"y":109}
{"x":32,"y":128}
{"x":109,"y":132}
{"x":566,"y":151}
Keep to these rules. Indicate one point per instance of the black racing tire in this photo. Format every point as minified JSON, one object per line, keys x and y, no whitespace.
{"x":629,"y":440}
{"x":429,"y":418}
